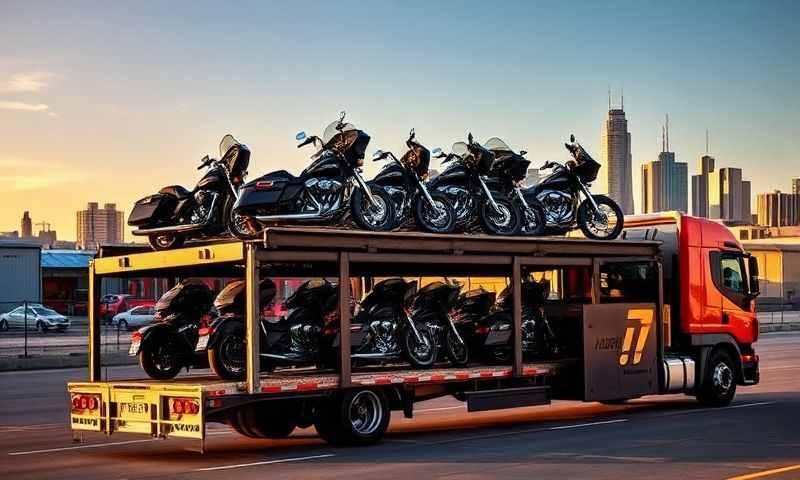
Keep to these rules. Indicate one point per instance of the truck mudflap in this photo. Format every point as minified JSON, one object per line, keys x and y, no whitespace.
{"x":157,"y":410}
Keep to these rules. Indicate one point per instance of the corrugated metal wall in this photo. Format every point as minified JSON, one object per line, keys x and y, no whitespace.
{"x":20,"y":276}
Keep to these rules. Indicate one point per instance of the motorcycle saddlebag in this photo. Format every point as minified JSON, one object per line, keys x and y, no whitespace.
{"x":152,"y":208}
{"x":269,"y":191}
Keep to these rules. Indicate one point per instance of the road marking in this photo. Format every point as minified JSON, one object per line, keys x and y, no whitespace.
{"x":78,"y":447}
{"x":766,"y":473}
{"x":267,"y":462}
{"x":582,"y":456}
{"x":581,"y":425}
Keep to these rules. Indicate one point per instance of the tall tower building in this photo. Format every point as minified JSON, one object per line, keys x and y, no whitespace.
{"x":26,"y":225}
{"x":615,"y":176}
{"x":664,"y":181}
{"x":97,"y":225}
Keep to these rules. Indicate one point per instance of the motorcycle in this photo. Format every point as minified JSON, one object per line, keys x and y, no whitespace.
{"x":432,"y":307}
{"x":403,"y":180}
{"x":322,"y":193}
{"x":175,"y":214}
{"x":508,"y":172}
{"x":463,"y":182}
{"x":223,"y":340}
{"x":382,"y":330}
{"x":598,"y":216}
{"x":471,"y":307}
{"x":168,"y":344}
{"x":493,"y":333}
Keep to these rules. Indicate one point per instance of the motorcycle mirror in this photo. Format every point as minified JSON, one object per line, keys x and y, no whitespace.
{"x":341,"y":116}
{"x":523,"y":152}
{"x":300,"y":136}
{"x":204,"y":159}
{"x":411,"y":134}
{"x":469,"y":138}
{"x":437,"y":152}
{"x":377,"y":155}
{"x":572,"y":138}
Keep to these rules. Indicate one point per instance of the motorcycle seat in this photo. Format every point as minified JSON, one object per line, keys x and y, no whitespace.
{"x":176,"y":191}
{"x":284,"y":176}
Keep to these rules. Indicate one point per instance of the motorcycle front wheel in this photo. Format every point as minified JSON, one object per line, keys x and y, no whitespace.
{"x":503,"y":221}
{"x":420,"y":354}
{"x":378,"y":217}
{"x":166,"y":241}
{"x":456,"y":350}
{"x":605,"y":226}
{"x":159,"y":356}
{"x":437,"y":218}
{"x":242,"y":226}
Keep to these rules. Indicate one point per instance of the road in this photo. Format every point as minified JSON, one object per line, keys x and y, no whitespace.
{"x":657,"y":437}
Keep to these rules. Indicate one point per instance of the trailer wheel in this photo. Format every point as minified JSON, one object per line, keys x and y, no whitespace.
{"x":357,"y":417}
{"x":719,"y":380}
{"x":269,"y":419}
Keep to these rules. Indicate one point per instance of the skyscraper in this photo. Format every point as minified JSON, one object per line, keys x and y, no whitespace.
{"x":615,"y":176}
{"x":26,"y":225}
{"x":664,"y":181}
{"x":97,"y":226}
{"x":777,"y":209}
{"x":700,"y":187}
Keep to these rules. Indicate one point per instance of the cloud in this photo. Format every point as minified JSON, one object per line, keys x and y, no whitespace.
{"x":24,"y":107}
{"x":26,"y":82}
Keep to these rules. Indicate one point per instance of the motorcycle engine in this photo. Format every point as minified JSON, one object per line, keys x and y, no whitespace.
{"x":385,"y":333}
{"x":462,"y":201}
{"x":559,"y":207}
{"x":203,"y":200}
{"x":325,"y":195}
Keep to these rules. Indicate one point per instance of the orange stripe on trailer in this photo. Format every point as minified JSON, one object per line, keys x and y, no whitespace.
{"x":437,"y":378}
{"x":411,"y":379}
{"x":271,"y":388}
{"x":529,"y":371}
{"x":303,"y":387}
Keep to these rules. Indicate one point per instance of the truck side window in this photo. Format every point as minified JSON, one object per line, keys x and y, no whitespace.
{"x":628,"y":282}
{"x":728,"y":273}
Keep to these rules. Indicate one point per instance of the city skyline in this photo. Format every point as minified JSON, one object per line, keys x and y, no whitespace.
{"x":118,"y":119}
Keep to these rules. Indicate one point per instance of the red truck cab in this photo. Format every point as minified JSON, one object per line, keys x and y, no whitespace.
{"x":710,"y":287}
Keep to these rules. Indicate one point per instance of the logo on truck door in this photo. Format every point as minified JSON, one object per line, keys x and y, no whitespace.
{"x":639,"y":323}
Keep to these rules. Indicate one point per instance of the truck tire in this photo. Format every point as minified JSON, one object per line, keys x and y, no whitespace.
{"x":355,"y":418}
{"x":719,"y":380}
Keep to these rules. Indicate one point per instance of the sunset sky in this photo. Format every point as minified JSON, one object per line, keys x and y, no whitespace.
{"x":109,"y":101}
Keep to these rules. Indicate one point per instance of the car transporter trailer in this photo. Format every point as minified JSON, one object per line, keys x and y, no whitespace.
{"x":183,"y":407}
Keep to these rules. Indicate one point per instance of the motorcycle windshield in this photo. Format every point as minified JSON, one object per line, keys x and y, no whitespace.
{"x":226,"y":144}
{"x":497,"y":145}
{"x":460,"y":150}
{"x":334,"y":129}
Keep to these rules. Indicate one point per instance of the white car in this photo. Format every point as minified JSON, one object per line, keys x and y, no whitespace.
{"x":134,"y":318}
{"x":40,"y":318}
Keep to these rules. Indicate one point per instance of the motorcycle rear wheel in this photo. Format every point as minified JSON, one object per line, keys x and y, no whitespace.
{"x":166,"y":241}
{"x":226,"y":358}
{"x":442,"y":219}
{"x":159,"y":357}
{"x":378,"y":218}
{"x":457,"y":352}
{"x":242,"y":227}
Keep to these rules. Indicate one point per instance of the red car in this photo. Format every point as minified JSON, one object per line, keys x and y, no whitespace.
{"x":115,"y":303}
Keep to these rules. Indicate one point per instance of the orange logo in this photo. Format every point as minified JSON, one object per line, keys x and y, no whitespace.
{"x":640,"y":320}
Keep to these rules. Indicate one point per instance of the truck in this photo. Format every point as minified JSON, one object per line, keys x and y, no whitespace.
{"x":667,"y":308}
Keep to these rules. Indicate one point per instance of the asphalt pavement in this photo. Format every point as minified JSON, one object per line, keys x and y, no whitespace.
{"x":657,"y":437}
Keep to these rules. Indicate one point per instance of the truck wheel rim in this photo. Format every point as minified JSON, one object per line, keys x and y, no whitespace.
{"x":723,"y":378}
{"x":366,"y":412}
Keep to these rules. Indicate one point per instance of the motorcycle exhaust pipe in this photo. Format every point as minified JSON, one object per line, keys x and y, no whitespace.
{"x":374,"y":356}
{"x":171,"y":228}
{"x":294,"y":216}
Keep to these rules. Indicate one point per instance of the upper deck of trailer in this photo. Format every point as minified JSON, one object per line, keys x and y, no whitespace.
{"x":321,"y":245}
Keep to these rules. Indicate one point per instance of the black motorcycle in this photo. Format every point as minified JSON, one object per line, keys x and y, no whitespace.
{"x":471,"y":308}
{"x":598,"y":216}
{"x":493,"y":333}
{"x":168,"y":344}
{"x":224,"y":338}
{"x":432,"y":307}
{"x":322,"y":194}
{"x":404,"y":181}
{"x":176,"y":214}
{"x":508,"y":172}
{"x":463,"y":183}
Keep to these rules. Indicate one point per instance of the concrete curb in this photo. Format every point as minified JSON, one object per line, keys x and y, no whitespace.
{"x":61,"y":361}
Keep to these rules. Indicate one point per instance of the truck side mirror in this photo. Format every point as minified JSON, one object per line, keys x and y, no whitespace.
{"x":752,"y":268}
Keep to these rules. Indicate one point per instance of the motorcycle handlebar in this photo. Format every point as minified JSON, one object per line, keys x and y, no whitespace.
{"x":306,"y":142}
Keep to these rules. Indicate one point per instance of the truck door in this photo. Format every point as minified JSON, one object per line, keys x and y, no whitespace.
{"x":736,"y":309}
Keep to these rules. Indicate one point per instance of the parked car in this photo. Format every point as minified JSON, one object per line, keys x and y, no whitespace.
{"x":134,"y":318}
{"x":111,"y":305}
{"x":39,"y":317}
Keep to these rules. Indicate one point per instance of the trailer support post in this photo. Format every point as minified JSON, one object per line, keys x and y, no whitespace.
{"x":516,"y":281}
{"x":95,"y":335}
{"x":344,"y":320}
{"x":252,"y":315}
